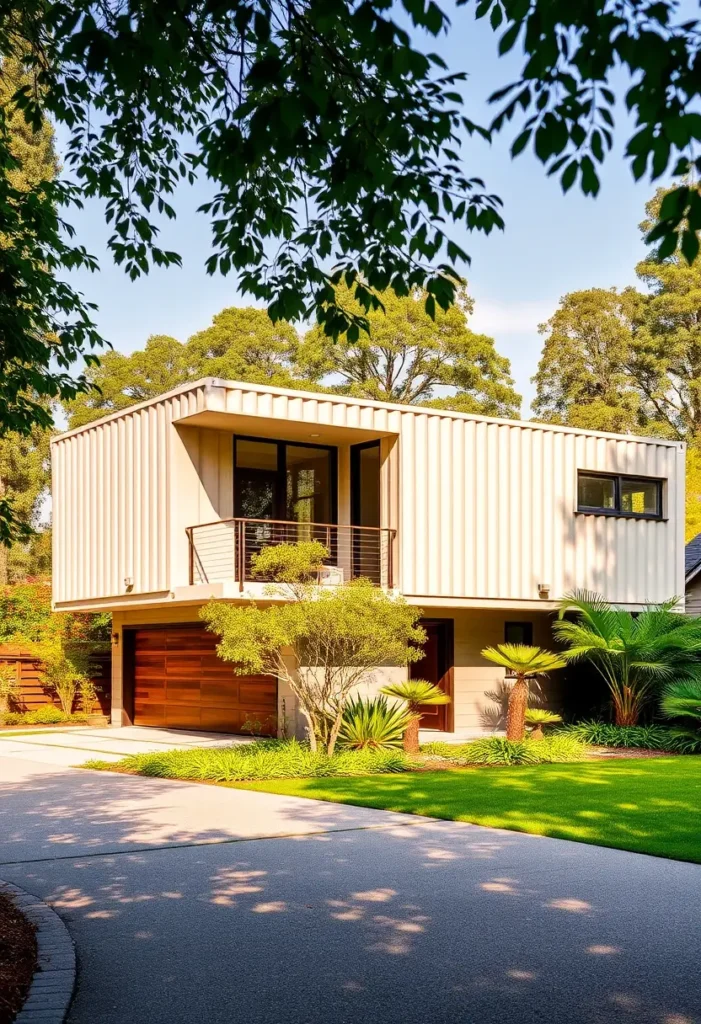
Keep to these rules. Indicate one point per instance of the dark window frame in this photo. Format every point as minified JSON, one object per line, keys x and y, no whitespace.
{"x":618,"y":512}
{"x":282,"y":466}
{"x":528,"y":629}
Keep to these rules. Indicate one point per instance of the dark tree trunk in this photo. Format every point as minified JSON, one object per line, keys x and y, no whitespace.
{"x":516,"y":710}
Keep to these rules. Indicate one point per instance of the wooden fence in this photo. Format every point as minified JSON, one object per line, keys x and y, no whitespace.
{"x":33,"y":694}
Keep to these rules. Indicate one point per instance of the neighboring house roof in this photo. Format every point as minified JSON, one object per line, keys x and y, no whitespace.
{"x":692,"y":558}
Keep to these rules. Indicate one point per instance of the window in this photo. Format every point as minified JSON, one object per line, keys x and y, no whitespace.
{"x":518,"y":633}
{"x":609,"y":494}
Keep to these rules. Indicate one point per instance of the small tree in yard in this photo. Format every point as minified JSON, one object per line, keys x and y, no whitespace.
{"x":525,"y":662}
{"x":416,"y":693}
{"x":64,"y":671}
{"x":323,"y":642}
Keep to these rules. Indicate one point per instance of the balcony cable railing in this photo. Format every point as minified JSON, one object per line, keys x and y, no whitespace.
{"x":224,"y":550}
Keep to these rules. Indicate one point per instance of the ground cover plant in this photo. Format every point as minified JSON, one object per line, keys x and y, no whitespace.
{"x":634,"y":737}
{"x":648,"y":806}
{"x":47,"y":714}
{"x":290,"y":759}
{"x":276,"y":759}
{"x":497,"y":750}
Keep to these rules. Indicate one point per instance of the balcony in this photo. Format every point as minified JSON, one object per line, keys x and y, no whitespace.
{"x":223,"y":550}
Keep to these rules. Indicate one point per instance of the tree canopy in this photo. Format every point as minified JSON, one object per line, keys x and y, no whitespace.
{"x":406,"y":357}
{"x":331,"y":138}
{"x":240,"y":344}
{"x":631,"y":361}
{"x":409,"y":357}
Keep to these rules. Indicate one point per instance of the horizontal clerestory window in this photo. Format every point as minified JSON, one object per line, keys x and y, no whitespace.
{"x":614,"y":494}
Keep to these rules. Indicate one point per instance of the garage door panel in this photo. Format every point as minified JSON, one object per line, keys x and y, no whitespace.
{"x":182,"y":691}
{"x":183,"y":664}
{"x":183,"y":716}
{"x":257,"y":694}
{"x":150,"y":666}
{"x":181,"y":683}
{"x":149,"y":640}
{"x":224,"y":693}
{"x":149,"y":714}
{"x":190,"y":640}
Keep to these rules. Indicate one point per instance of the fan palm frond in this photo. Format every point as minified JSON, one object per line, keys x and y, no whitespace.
{"x":416,"y":692}
{"x":524,"y":660}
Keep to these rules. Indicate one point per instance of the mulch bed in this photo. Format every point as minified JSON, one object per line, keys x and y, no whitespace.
{"x":18,"y":959}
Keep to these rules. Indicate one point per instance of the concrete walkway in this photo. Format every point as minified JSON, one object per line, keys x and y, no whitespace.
{"x":75,"y":746}
{"x":346,"y":914}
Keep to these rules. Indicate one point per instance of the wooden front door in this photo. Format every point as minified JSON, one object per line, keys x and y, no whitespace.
{"x":436,"y":666}
{"x":181,"y":683}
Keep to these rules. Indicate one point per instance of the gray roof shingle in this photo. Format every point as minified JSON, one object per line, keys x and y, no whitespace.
{"x":692,"y":554}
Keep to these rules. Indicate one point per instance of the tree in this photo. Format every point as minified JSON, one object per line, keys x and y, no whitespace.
{"x":409,"y":357}
{"x":525,"y":663}
{"x":24,"y":457}
{"x":584,"y":377}
{"x":634,"y":654}
{"x":416,"y":693}
{"x":44,"y":324}
{"x":631,"y":362}
{"x":323,"y":642}
{"x":241,"y":344}
{"x":24,"y":479}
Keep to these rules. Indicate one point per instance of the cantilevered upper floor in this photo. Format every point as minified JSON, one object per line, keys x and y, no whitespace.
{"x":168,"y":501}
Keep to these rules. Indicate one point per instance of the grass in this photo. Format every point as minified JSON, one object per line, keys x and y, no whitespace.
{"x":645,"y":806}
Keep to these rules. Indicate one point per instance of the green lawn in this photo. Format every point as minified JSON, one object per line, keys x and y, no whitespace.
{"x":649,"y":806}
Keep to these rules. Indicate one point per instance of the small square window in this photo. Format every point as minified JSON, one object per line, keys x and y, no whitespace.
{"x":518,"y":633}
{"x":640,"y":497}
{"x":596,"y":492}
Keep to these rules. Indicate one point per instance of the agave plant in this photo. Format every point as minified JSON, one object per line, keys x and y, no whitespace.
{"x":538,"y":718}
{"x":373,"y":723}
{"x":524,"y":662}
{"x":415,"y":692}
{"x":633,"y":654}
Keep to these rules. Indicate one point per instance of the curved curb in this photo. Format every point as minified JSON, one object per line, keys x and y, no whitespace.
{"x":52,"y":985}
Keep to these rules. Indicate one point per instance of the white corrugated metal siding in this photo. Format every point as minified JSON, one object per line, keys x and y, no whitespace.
{"x":484,"y":509}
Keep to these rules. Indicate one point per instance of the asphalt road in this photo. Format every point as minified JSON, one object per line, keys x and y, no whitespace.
{"x":343,"y":914}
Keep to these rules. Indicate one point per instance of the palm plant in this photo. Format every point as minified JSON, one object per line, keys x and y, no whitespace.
{"x":538,"y":718}
{"x":415,"y":692}
{"x":524,"y":662}
{"x":682,"y":699}
{"x":633,"y":654}
{"x":373,"y":724}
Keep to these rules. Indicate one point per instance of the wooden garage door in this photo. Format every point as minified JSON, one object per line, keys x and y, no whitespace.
{"x":181,"y":683}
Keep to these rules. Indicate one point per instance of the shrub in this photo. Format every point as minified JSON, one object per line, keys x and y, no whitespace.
{"x":9,"y":685}
{"x":373,"y":723}
{"x":281,"y":759}
{"x":604,"y":734}
{"x":538,"y":718}
{"x":416,"y":693}
{"x":46,"y":715}
{"x":684,"y":741}
{"x":497,"y":750}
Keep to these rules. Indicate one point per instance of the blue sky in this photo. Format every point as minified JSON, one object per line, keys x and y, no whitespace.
{"x":552,"y":243}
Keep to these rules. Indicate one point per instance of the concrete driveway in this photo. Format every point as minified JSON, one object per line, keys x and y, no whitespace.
{"x":183,"y":912}
{"x":74,"y":746}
